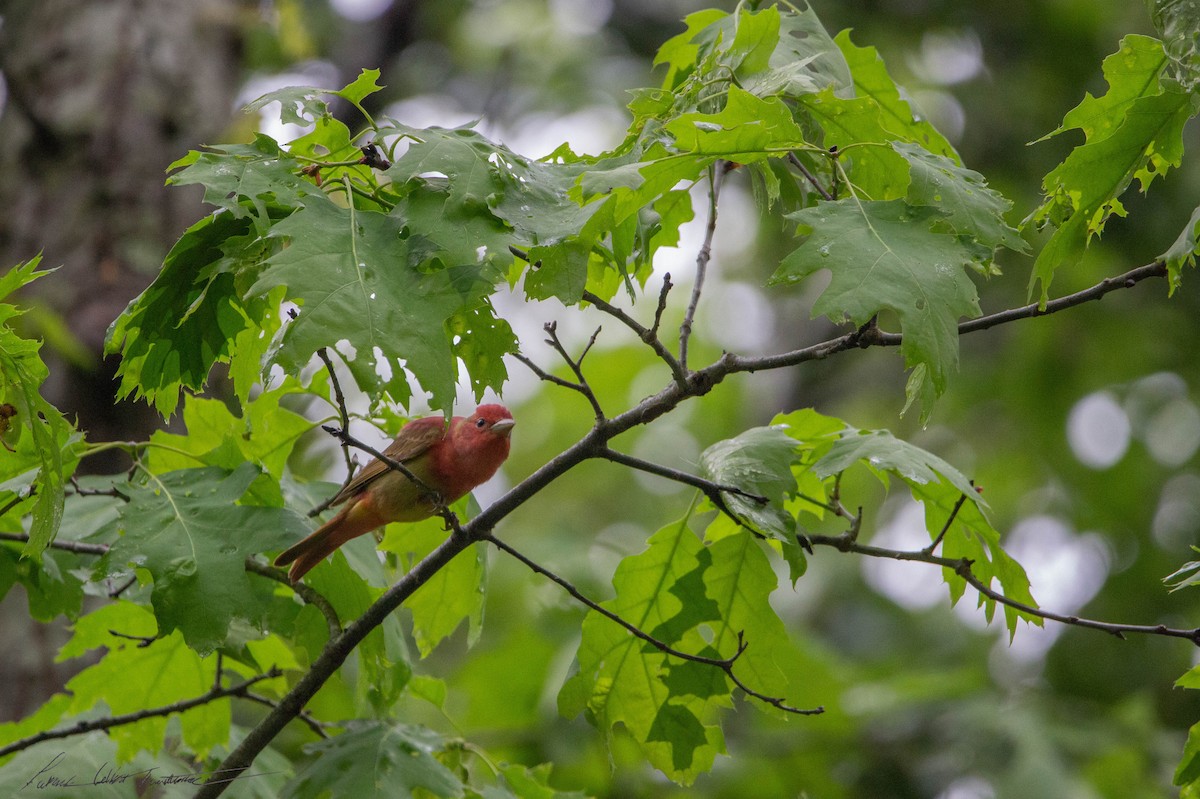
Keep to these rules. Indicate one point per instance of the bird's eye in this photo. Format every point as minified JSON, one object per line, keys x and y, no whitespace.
{"x":481,"y":423}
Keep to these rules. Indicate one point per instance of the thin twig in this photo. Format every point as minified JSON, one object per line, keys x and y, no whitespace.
{"x":116,"y":592}
{"x":702,"y":258}
{"x":706,"y":486}
{"x":647,"y":335}
{"x":78,"y":547}
{"x":306,"y":593}
{"x":730,"y":364}
{"x":724,"y":664}
{"x":143,"y":640}
{"x":89,"y":492}
{"x":129,"y":718}
{"x":810,"y":177}
{"x":318,"y":727}
{"x":945,"y":527}
{"x":542,"y":374}
{"x":962,"y":567}
{"x":662,"y":304}
{"x":576,"y":365}
{"x":714,"y":491}
{"x":15,"y":501}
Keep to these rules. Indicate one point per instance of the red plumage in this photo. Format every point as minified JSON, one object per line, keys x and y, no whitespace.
{"x":451,"y":459}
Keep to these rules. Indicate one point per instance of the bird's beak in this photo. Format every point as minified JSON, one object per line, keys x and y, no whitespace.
{"x":503,"y":427}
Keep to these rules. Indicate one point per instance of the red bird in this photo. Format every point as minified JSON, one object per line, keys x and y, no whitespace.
{"x":451,"y":460}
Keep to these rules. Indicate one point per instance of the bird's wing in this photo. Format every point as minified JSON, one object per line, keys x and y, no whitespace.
{"x":414,"y":440}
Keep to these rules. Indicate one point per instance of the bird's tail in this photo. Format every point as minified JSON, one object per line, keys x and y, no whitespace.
{"x":351,"y":522}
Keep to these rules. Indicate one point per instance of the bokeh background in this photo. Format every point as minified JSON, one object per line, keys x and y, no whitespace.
{"x":1082,"y":428}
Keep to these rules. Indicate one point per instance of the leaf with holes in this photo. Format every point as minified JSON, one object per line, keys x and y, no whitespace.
{"x":352,"y":274}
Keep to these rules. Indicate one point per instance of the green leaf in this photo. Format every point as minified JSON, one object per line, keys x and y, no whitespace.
{"x":871,"y":80}
{"x":972,"y":536}
{"x":747,"y":129}
{"x":953,"y":513}
{"x":1132,"y":73}
{"x":622,"y":680}
{"x":740,"y":582}
{"x":265,"y":434}
{"x":186,"y":529}
{"x":886,"y":256}
{"x":755,"y":39}
{"x":377,"y":759}
{"x":352,"y":276}
{"x":883,"y":452}
{"x":759,"y":461}
{"x":680,"y":52}
{"x":1188,"y":771}
{"x":1184,"y":251}
{"x":132,"y":678}
{"x":171,"y":335}
{"x":456,"y":593}
{"x":448,"y":232}
{"x":480,"y":340}
{"x":248,"y":180}
{"x":1190,"y":679}
{"x":971,"y":208}
{"x":1134,"y":132}
{"x":855,"y":127}
{"x":365,"y":84}
{"x":520,"y":782}
{"x":528,"y":197}
{"x":45,"y":435}
{"x":805,"y":60}
{"x":52,"y":587}
{"x":1184,"y":576}
{"x":1178,"y":24}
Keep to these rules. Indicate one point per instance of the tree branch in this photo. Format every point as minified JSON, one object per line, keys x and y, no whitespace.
{"x":858,"y":339}
{"x":717,"y":178}
{"x":710,"y":489}
{"x":724,"y":664}
{"x":576,"y":365}
{"x":684,"y":386}
{"x":546,"y":376}
{"x":647,"y":335}
{"x":130,"y":718}
{"x":318,"y":727}
{"x":306,"y":593}
{"x":662,"y":304}
{"x":962,"y":567}
{"x":331,"y":658}
{"x":78,"y":547}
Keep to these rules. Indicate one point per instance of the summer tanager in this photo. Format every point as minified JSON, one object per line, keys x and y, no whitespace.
{"x":451,"y":460}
